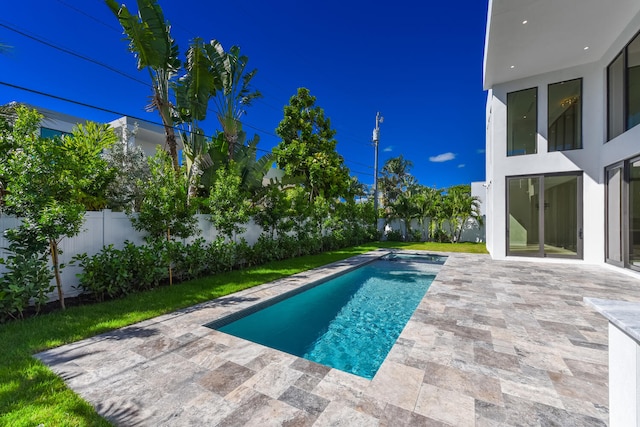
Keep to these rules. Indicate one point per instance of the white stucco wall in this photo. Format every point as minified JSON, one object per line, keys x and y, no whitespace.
{"x":595,"y":155}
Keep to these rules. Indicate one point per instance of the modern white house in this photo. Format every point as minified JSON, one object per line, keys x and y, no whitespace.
{"x":562,"y":141}
{"x":143,"y":134}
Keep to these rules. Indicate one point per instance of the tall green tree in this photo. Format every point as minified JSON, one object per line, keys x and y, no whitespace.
{"x":165,"y":212}
{"x":52,"y":180}
{"x":150,"y":40}
{"x":228,"y":203}
{"x":8,"y":136}
{"x":308,"y":149}
{"x":273,"y":209}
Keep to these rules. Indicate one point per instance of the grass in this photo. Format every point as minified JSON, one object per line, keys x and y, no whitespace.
{"x":474,"y":248}
{"x":31,"y":394}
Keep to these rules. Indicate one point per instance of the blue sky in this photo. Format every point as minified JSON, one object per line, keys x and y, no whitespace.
{"x":419,"y":63}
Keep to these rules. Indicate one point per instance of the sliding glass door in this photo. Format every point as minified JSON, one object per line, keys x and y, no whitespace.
{"x":544,"y":214}
{"x":634,"y":213}
{"x":615,"y":182}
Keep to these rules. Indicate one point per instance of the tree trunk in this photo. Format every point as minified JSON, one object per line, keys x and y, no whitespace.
{"x":56,"y":269}
{"x":173,"y":146}
{"x":169,"y":253}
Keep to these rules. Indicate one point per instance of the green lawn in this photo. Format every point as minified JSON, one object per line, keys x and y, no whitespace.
{"x":32,"y":395}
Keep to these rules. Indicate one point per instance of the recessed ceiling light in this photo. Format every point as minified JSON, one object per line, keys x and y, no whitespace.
{"x":586,"y":48}
{"x":513,"y":66}
{"x":524,"y":22}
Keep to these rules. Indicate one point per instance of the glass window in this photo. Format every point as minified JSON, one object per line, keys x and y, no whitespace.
{"x":633,"y":83}
{"x":615,"y":82}
{"x":522,"y":122}
{"x":623,"y":90}
{"x":565,"y":115}
{"x":50,"y":133}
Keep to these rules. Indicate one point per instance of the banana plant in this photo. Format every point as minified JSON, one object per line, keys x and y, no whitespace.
{"x":236,"y":94}
{"x":251,"y":169}
{"x":150,"y":40}
{"x":193,"y":92}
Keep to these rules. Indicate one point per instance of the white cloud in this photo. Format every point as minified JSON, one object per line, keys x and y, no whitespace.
{"x":461,"y":165}
{"x":444,"y":157}
{"x":388,"y":149}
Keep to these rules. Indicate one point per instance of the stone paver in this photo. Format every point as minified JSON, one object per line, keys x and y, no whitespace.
{"x":492,"y":343}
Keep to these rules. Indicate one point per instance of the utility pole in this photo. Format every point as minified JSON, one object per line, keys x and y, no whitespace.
{"x":376,"y":139}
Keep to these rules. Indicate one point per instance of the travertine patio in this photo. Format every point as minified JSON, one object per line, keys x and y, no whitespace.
{"x":492,"y":343}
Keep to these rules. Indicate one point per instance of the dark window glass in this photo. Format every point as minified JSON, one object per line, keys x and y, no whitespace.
{"x":633,"y":83}
{"x":50,"y":133}
{"x":522,"y":122}
{"x":634,"y":213}
{"x":623,"y":90}
{"x":615,"y":82}
{"x":565,"y":115}
{"x":614,"y":214}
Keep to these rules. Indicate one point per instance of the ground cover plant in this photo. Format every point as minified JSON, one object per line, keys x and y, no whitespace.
{"x":31,"y":395}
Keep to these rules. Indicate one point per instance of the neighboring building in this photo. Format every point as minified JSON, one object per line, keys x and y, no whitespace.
{"x":563,"y":145}
{"x":147,"y":136}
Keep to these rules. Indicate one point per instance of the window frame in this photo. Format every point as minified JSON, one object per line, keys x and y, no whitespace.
{"x":535,"y":146}
{"x":580,"y":139}
{"x":625,"y":91}
{"x":541,"y":253}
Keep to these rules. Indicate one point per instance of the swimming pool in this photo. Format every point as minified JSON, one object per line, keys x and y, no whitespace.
{"x":349,"y":322}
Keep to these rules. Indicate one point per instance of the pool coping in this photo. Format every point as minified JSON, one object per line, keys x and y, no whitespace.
{"x":491,"y":342}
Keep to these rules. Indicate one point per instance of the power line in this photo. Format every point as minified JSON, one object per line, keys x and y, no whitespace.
{"x":72,"y":53}
{"x":117,"y":113}
{"x":88,"y":15}
{"x":68,"y":51}
{"x":117,"y":71}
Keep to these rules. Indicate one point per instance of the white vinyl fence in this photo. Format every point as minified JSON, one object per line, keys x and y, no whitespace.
{"x":107,"y":228}
{"x":114,"y":228}
{"x":471,"y":232}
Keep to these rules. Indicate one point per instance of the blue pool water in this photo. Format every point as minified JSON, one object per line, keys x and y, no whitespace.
{"x":349,"y":322}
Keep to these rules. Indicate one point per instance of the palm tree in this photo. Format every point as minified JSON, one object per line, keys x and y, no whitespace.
{"x":150,"y":41}
{"x":396,"y":178}
{"x":427,"y":204}
{"x":461,"y":206}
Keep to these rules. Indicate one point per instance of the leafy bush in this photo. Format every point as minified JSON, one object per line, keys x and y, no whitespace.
{"x":416,"y":235}
{"x":28,"y":278}
{"x":189,"y":261}
{"x":147,"y":264}
{"x":105,"y":274}
{"x":395,"y":236}
{"x":112,"y":273}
